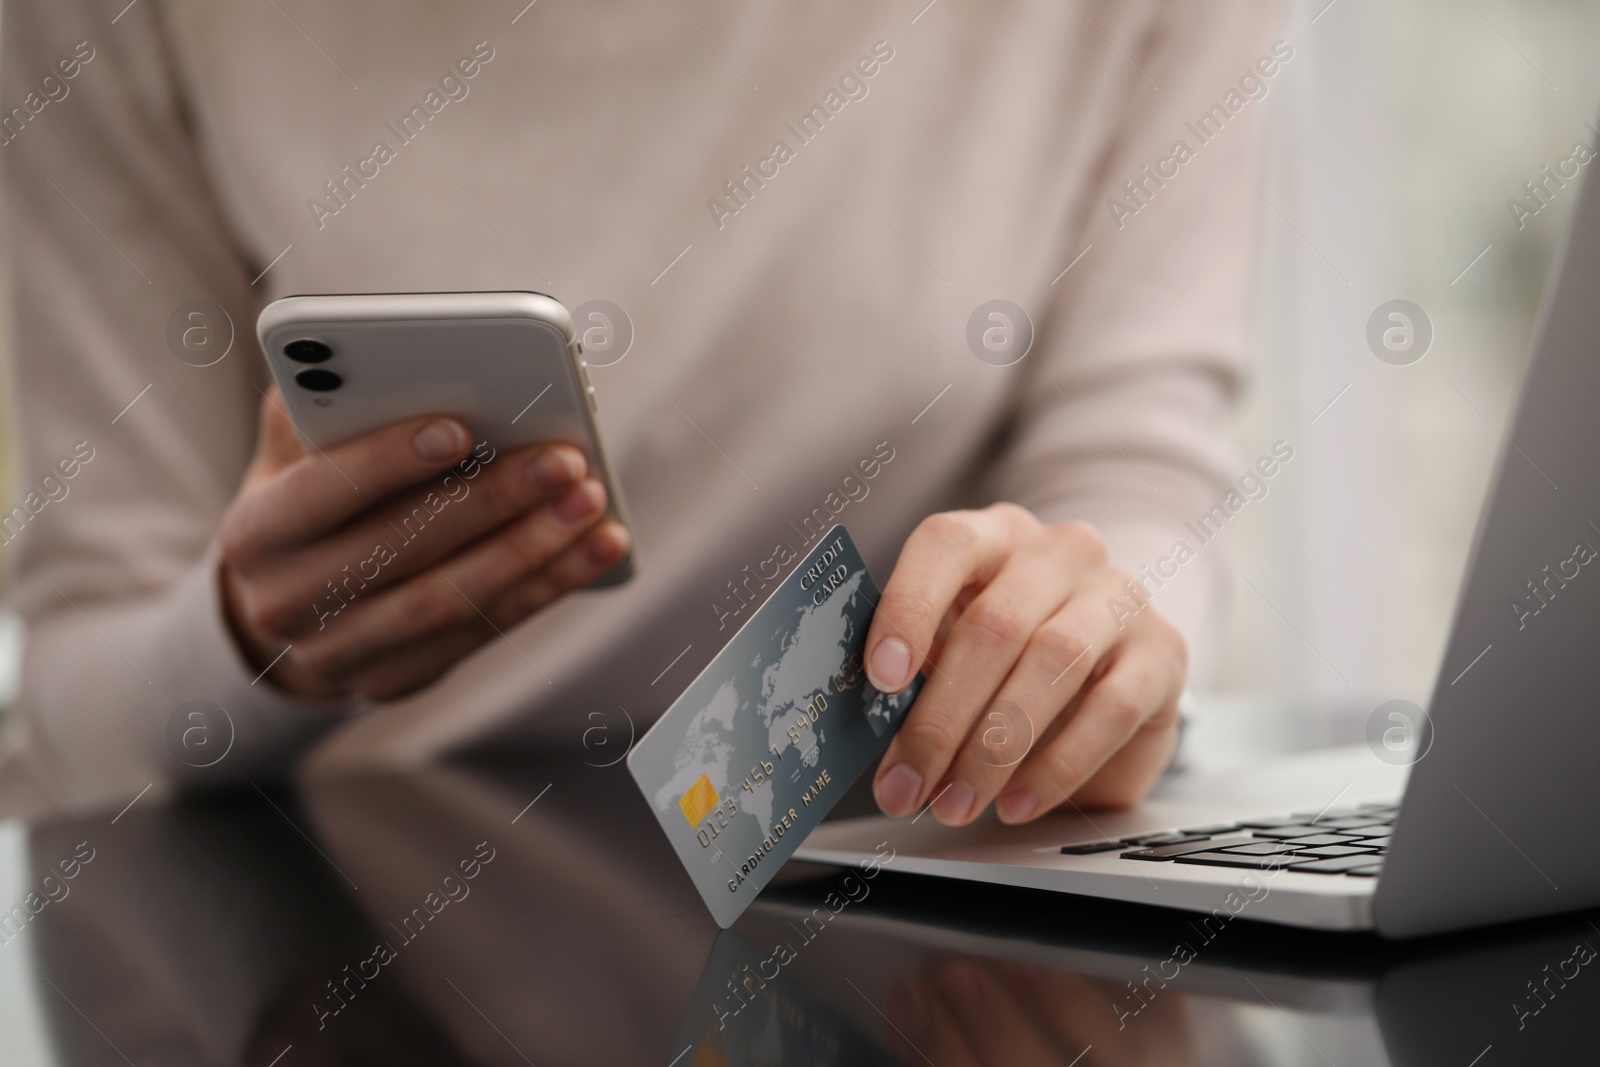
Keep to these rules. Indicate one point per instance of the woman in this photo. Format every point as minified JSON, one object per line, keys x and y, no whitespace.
{"x":804,"y":214}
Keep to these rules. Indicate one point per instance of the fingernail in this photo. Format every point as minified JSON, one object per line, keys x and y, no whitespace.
{"x":954,"y":803}
{"x":899,"y":789}
{"x":555,"y":469}
{"x":605,"y":548}
{"x":889,"y":665}
{"x":440,"y":440}
{"x":579,"y":503}
{"x":1016,"y":805}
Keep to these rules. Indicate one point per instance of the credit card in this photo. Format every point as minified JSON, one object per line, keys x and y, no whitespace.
{"x":766,"y":740}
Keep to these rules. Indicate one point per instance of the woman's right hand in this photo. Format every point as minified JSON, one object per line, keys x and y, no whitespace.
{"x":375,"y":566}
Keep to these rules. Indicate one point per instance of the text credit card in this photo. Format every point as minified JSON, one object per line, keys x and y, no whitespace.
{"x":767,"y":739}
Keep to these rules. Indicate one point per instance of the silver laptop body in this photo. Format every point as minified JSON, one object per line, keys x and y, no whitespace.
{"x":1496,"y":818}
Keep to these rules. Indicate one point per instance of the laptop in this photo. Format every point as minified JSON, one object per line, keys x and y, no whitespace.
{"x":1490,"y":823}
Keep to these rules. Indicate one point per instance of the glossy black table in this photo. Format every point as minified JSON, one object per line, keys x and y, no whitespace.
{"x":531,"y":913}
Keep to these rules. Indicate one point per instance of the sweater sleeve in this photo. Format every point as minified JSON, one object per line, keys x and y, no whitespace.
{"x":114,"y":236}
{"x":1123,"y":419}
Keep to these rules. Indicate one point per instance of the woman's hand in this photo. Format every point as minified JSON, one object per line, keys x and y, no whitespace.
{"x":383,"y":561}
{"x":1037,"y":688}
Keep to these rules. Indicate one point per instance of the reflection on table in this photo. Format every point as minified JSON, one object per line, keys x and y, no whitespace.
{"x":490,"y":915}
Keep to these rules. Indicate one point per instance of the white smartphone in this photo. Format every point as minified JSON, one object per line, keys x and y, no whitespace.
{"x":507,"y":364}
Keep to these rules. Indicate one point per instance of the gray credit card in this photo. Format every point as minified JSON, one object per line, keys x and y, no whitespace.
{"x":767,"y":739}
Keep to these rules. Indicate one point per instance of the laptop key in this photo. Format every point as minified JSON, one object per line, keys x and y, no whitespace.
{"x":1286,"y":832}
{"x":1355,"y":822}
{"x":1214,"y":828}
{"x":1365,"y":872}
{"x":1337,"y":864}
{"x":1335,"y":850}
{"x":1323,"y":839}
{"x":1258,"y":848}
{"x":1267,"y":822}
{"x":1229,"y":859}
{"x":1084,"y":848}
{"x":1167,"y":852}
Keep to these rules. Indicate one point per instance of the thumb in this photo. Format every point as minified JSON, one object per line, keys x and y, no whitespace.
{"x":277,"y":441}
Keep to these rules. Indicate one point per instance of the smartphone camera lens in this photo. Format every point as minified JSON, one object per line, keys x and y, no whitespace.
{"x":318,"y":381}
{"x":307,"y":351}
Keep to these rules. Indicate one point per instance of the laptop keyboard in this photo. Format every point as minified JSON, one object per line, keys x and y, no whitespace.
{"x":1338,"y":841}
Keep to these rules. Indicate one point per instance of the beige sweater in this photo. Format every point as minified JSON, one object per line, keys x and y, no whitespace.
{"x":798,"y":206}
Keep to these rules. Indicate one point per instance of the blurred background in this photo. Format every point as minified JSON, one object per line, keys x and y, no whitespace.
{"x":1397,"y":137}
{"x":1395,"y":140}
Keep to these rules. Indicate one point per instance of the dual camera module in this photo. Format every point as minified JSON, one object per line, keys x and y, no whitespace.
{"x":317,"y":379}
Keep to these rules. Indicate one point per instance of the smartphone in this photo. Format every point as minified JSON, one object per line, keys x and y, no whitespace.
{"x":508,"y":365}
